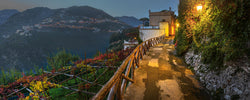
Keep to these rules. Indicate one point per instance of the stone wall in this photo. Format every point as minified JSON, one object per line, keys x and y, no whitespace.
{"x":234,"y":80}
{"x":146,"y":34}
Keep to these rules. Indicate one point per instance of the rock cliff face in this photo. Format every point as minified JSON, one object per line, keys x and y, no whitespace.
{"x":231,"y":82}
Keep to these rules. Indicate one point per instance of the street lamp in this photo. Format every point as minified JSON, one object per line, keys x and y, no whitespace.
{"x":177,"y":25}
{"x":199,"y":7}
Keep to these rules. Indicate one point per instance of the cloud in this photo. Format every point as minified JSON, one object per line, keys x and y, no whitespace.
{"x":14,"y":4}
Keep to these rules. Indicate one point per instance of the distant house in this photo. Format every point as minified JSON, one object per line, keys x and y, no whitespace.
{"x":72,"y":21}
{"x":18,"y":31}
{"x":63,"y":21}
{"x":95,"y":29}
{"x":38,"y":26}
{"x":81,"y":21}
{"x":130,"y":43}
{"x":160,"y":23}
{"x":6,"y":36}
{"x":27,"y":28}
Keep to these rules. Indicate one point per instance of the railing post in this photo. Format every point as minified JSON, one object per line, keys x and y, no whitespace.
{"x":141,"y":51}
{"x":127,"y":72}
{"x":118,"y":90}
{"x":153,"y":41}
{"x":111,"y":94}
{"x":124,"y":81}
{"x":145,"y":47}
{"x":137,"y":57}
{"x":116,"y":86}
{"x":133,"y":70}
{"x":150,"y":43}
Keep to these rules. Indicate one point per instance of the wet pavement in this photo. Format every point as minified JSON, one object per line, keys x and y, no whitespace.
{"x":163,"y":76}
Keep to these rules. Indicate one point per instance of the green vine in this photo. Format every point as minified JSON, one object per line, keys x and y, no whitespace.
{"x":220,"y":32}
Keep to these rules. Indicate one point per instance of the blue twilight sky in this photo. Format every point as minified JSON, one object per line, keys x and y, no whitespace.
{"x":137,"y":8}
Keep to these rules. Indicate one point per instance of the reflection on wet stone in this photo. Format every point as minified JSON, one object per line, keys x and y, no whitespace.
{"x":162,"y":76}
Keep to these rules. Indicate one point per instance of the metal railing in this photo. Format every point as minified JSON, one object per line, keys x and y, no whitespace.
{"x":149,"y":27}
{"x":116,"y":86}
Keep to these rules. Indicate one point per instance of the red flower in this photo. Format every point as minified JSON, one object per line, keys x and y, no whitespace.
{"x":1,"y":90}
{"x":176,"y":43}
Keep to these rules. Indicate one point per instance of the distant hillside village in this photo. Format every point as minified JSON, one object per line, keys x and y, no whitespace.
{"x":82,"y":23}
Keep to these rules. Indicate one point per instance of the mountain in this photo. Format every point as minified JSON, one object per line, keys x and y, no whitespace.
{"x":5,"y":14}
{"x":26,"y":18}
{"x":87,"y":11}
{"x":132,"y":21}
{"x":29,"y":37}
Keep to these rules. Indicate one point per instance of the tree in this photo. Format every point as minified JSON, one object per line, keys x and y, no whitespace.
{"x":60,"y":59}
{"x":145,"y":21}
{"x":3,"y":77}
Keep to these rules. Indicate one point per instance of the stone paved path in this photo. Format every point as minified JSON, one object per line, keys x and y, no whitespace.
{"x":163,"y":76}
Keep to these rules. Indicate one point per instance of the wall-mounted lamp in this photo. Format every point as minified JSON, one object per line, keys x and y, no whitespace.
{"x":199,"y":7}
{"x":177,"y":25}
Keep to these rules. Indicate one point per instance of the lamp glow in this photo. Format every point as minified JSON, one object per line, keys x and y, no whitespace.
{"x":199,"y":8}
{"x":177,"y":25}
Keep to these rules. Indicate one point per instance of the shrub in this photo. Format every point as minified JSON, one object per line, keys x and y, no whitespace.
{"x":219,"y":32}
{"x":61,"y":58}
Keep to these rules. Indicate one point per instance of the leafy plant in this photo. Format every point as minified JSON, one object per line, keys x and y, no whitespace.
{"x":116,"y":40}
{"x":61,"y":58}
{"x":219,"y":32}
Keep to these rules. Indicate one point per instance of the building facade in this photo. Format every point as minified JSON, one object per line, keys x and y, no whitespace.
{"x":160,"y":23}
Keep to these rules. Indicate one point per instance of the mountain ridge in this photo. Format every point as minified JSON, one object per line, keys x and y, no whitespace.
{"x":130,"y":20}
{"x":28,"y":37}
{"x":6,"y":13}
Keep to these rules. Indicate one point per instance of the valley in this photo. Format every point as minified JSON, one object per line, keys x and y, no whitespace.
{"x":29,"y":37}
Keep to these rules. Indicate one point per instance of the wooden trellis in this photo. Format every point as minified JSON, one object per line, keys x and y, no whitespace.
{"x":89,"y":87}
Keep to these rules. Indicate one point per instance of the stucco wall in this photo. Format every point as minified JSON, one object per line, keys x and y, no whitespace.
{"x":155,"y":20}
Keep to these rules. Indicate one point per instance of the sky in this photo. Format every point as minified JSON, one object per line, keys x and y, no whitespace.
{"x":136,"y":8}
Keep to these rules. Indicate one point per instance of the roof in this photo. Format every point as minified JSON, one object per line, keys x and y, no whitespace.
{"x":162,"y":13}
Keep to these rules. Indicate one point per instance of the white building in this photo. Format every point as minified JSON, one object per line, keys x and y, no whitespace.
{"x":130,"y":43}
{"x":160,"y":23}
